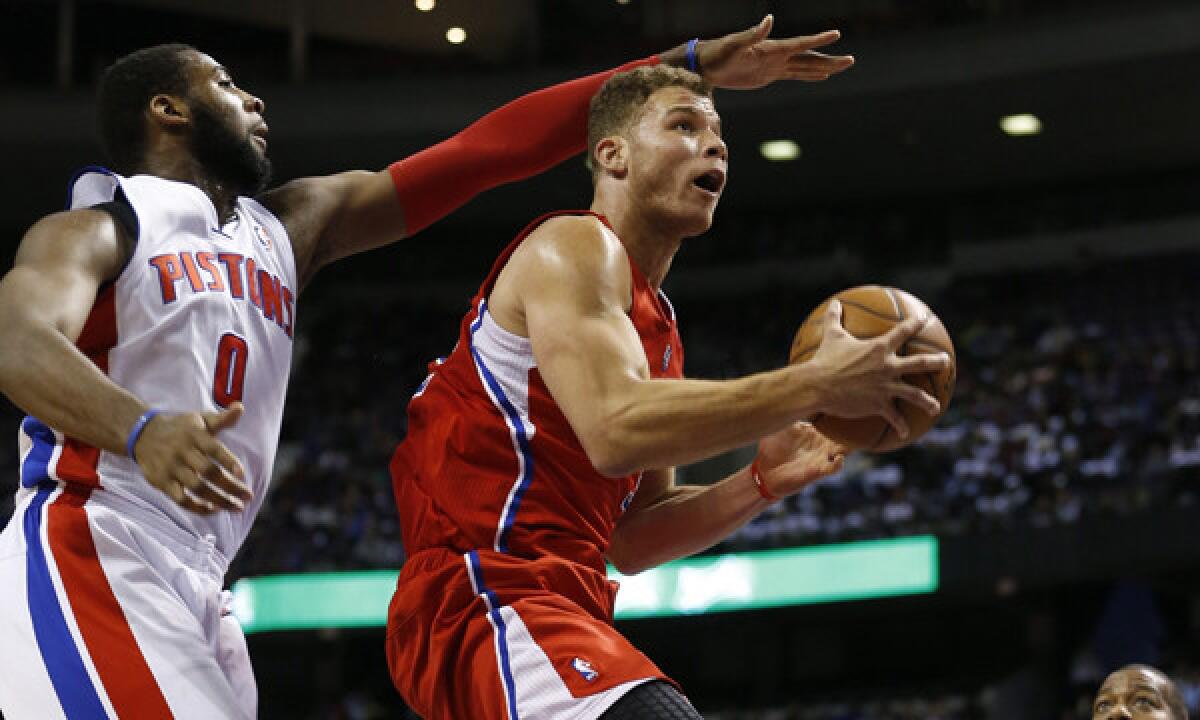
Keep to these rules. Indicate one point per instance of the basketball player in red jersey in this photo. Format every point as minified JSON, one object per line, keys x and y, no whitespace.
{"x":545,"y":443}
{"x":148,"y":332}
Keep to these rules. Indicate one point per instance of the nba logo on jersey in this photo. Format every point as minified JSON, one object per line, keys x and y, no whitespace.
{"x":263,"y":235}
{"x":666,"y":357}
{"x":584,"y":668}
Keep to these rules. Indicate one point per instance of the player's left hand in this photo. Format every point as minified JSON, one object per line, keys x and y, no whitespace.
{"x":749,"y":59}
{"x":796,"y":457}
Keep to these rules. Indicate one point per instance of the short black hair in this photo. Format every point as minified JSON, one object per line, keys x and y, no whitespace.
{"x":125,"y":88}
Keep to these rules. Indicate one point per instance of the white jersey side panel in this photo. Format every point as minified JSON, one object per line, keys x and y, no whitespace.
{"x":202,"y":315}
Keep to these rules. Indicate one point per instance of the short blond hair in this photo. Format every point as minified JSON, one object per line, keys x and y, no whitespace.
{"x":618,"y":104}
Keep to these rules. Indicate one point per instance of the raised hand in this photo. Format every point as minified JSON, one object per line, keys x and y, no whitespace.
{"x":180,"y":455}
{"x":796,"y":457}
{"x":749,"y":59}
{"x":865,"y":377}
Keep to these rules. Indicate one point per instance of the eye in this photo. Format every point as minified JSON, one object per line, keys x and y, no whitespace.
{"x":1103,"y":706}
{"x":1145,"y":703}
{"x":685,"y":125}
{"x":225,"y":83}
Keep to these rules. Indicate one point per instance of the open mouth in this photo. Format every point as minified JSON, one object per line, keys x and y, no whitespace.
{"x":711,"y":181}
{"x":260,"y":133}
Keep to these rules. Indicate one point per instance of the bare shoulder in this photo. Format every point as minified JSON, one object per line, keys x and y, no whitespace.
{"x":568,"y":263}
{"x":83,"y":239}
{"x":577,"y":248}
{"x":306,"y":203}
{"x":306,"y":207}
{"x":297,"y":195}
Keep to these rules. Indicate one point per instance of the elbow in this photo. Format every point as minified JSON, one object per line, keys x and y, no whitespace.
{"x":610,"y":453}
{"x":627,"y":568}
{"x":616,"y":441}
{"x":626,"y":563}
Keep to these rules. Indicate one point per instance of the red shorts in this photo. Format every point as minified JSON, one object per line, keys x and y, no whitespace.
{"x":485,"y":636}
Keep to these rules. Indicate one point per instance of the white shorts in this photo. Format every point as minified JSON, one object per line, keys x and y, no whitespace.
{"x":109,"y":612}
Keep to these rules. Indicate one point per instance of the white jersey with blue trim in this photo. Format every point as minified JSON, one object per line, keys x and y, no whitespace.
{"x":201,"y":316}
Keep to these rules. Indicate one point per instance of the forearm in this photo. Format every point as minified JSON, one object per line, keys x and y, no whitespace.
{"x":664,"y":423}
{"x":45,"y":375}
{"x":688,"y":519}
{"x":523,"y":138}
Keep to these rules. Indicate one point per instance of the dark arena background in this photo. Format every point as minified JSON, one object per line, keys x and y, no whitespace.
{"x":1030,"y":169}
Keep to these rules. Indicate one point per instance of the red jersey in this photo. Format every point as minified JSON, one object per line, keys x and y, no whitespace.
{"x":500,"y":505}
{"x":491,"y":462}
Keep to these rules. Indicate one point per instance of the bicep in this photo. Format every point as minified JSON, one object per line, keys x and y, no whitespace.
{"x":587,"y":350}
{"x":60,"y":265}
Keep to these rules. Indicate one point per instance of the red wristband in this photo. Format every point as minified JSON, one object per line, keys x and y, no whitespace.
{"x":759,"y":484}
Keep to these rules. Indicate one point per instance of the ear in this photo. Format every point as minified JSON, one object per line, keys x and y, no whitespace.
{"x":170,"y":112}
{"x":611,"y":155}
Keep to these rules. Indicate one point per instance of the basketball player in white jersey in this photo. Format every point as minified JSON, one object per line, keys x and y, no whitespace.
{"x":148,"y":332}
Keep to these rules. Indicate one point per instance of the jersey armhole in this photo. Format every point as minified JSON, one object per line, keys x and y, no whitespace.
{"x":126,"y":219}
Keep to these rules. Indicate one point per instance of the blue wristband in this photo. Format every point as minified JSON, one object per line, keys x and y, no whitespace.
{"x":691,"y":55}
{"x":136,"y":432}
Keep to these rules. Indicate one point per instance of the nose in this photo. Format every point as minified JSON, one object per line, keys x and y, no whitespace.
{"x":715,"y":147}
{"x":254,"y":104}
{"x":1120,"y":712}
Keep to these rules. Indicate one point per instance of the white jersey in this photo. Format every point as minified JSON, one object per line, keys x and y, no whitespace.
{"x":202,"y":316}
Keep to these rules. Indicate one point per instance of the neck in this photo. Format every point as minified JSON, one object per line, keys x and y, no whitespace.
{"x":185,"y":168}
{"x":650,"y":244}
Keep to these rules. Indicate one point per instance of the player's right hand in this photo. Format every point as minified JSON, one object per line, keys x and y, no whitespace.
{"x":181,"y":455}
{"x":865,"y":377}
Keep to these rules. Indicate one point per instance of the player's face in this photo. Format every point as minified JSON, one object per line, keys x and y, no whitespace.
{"x":678,"y":162}
{"x":229,"y":134}
{"x":1132,"y":694}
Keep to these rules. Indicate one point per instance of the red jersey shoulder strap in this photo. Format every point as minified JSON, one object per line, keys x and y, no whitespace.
{"x":486,"y":288}
{"x":641,"y":289}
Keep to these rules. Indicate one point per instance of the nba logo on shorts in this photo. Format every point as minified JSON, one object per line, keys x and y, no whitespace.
{"x":666,"y":357}
{"x":584,"y":668}
{"x":264,"y":237}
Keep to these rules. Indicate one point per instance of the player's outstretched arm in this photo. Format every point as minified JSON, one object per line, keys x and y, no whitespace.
{"x":329,"y":218}
{"x":667,"y":521}
{"x":752,"y":59}
{"x":44,"y":304}
{"x":567,"y":288}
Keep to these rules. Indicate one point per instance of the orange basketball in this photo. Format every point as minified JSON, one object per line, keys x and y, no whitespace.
{"x":869,"y":311}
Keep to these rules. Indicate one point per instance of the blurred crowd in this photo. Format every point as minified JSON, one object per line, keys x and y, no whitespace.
{"x":1078,"y":396}
{"x":982,"y":705}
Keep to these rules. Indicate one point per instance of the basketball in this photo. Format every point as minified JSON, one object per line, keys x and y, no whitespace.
{"x":869,"y":311}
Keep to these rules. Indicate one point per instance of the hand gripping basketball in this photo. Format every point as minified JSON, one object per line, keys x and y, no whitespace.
{"x":888,"y":364}
{"x":181,"y":455}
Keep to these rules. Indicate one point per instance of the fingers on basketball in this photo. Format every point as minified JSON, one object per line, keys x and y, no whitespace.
{"x":917,"y":337}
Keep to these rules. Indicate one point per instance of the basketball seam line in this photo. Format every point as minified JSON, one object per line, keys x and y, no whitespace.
{"x":887,"y":427}
{"x":895,"y":303}
{"x":870,"y":311}
{"x":926,"y":343}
